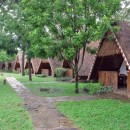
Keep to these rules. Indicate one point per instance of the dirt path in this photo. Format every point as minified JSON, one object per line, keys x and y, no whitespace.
{"x":44,"y":114}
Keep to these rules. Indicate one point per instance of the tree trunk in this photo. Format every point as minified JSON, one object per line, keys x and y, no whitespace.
{"x":23,"y":72}
{"x":29,"y":69}
{"x":76,"y":79}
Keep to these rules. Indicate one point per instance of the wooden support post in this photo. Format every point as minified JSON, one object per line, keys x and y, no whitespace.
{"x":128,"y":85}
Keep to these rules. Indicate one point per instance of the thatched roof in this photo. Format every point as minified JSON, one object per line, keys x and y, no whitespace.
{"x":19,"y":60}
{"x":36,"y":64}
{"x":123,"y":38}
{"x":121,"y":43}
{"x":88,"y":59}
{"x":54,"y":63}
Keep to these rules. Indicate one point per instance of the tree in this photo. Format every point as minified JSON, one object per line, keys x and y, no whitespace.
{"x":14,"y":22}
{"x":63,"y":27}
{"x":5,"y":57}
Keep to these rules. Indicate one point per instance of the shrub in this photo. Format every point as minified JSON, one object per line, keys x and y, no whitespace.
{"x":93,"y":88}
{"x":105,"y":89}
{"x":60,"y":72}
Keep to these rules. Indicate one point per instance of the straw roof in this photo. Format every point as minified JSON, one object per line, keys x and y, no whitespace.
{"x":88,"y":59}
{"x":121,"y":42}
{"x":19,"y":60}
{"x":36,"y":64}
{"x":54,"y":63}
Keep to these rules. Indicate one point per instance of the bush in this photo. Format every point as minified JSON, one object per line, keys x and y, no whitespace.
{"x":63,"y":79}
{"x":106,"y":89}
{"x":60,"y":72}
{"x":93,"y":88}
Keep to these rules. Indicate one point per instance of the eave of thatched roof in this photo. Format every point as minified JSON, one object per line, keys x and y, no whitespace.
{"x":88,"y":59}
{"x":54,"y":63}
{"x":19,"y":60}
{"x":36,"y":64}
{"x":123,"y":41}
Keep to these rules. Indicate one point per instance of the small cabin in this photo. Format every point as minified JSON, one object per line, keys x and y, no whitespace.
{"x":112,"y":63}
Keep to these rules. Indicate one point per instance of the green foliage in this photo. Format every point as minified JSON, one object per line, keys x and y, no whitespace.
{"x":105,"y":89}
{"x":93,"y":88}
{"x":100,"y":114}
{"x":92,"y":50}
{"x":5,"y":57}
{"x":62,"y":27}
{"x":60,"y":72}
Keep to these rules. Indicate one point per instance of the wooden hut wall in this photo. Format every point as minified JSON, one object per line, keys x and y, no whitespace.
{"x":45,"y":68}
{"x":109,"y":58}
{"x":70,"y":72}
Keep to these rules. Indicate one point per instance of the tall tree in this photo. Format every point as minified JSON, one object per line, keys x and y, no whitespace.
{"x":63,"y":27}
{"x":14,"y":22}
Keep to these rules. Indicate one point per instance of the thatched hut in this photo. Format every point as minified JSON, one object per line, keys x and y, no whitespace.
{"x":86,"y":65}
{"x":26,"y":65}
{"x":2,"y":66}
{"x":47,"y":66}
{"x":66,"y":65}
{"x":9,"y":66}
{"x":88,"y":60}
{"x":112,"y":63}
{"x":54,"y":63}
{"x":18,"y":62}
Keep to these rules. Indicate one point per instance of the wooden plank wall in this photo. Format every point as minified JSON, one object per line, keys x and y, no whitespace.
{"x":128,"y":85}
{"x":109,"y":78}
{"x":69,"y":73}
{"x":45,"y":71}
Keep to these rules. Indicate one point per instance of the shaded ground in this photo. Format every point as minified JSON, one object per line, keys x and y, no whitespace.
{"x":44,"y":114}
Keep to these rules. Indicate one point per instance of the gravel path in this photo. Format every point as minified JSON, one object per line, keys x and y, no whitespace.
{"x":44,"y":114}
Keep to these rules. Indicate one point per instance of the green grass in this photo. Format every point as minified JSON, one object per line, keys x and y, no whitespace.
{"x":12,"y":113}
{"x":56,"y":89}
{"x":102,"y":114}
{"x":25,"y":79}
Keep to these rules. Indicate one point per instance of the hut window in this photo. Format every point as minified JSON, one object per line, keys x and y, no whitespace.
{"x":123,"y":69}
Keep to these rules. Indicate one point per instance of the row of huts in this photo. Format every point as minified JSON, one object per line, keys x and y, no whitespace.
{"x":48,"y":66}
{"x":110,"y":66}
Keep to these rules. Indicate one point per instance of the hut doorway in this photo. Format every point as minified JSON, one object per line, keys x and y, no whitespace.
{"x":122,"y":78}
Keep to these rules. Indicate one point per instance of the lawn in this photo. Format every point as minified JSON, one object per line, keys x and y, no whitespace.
{"x":25,"y":79}
{"x":102,"y":114}
{"x":13,"y":116}
{"x":54,"y":88}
